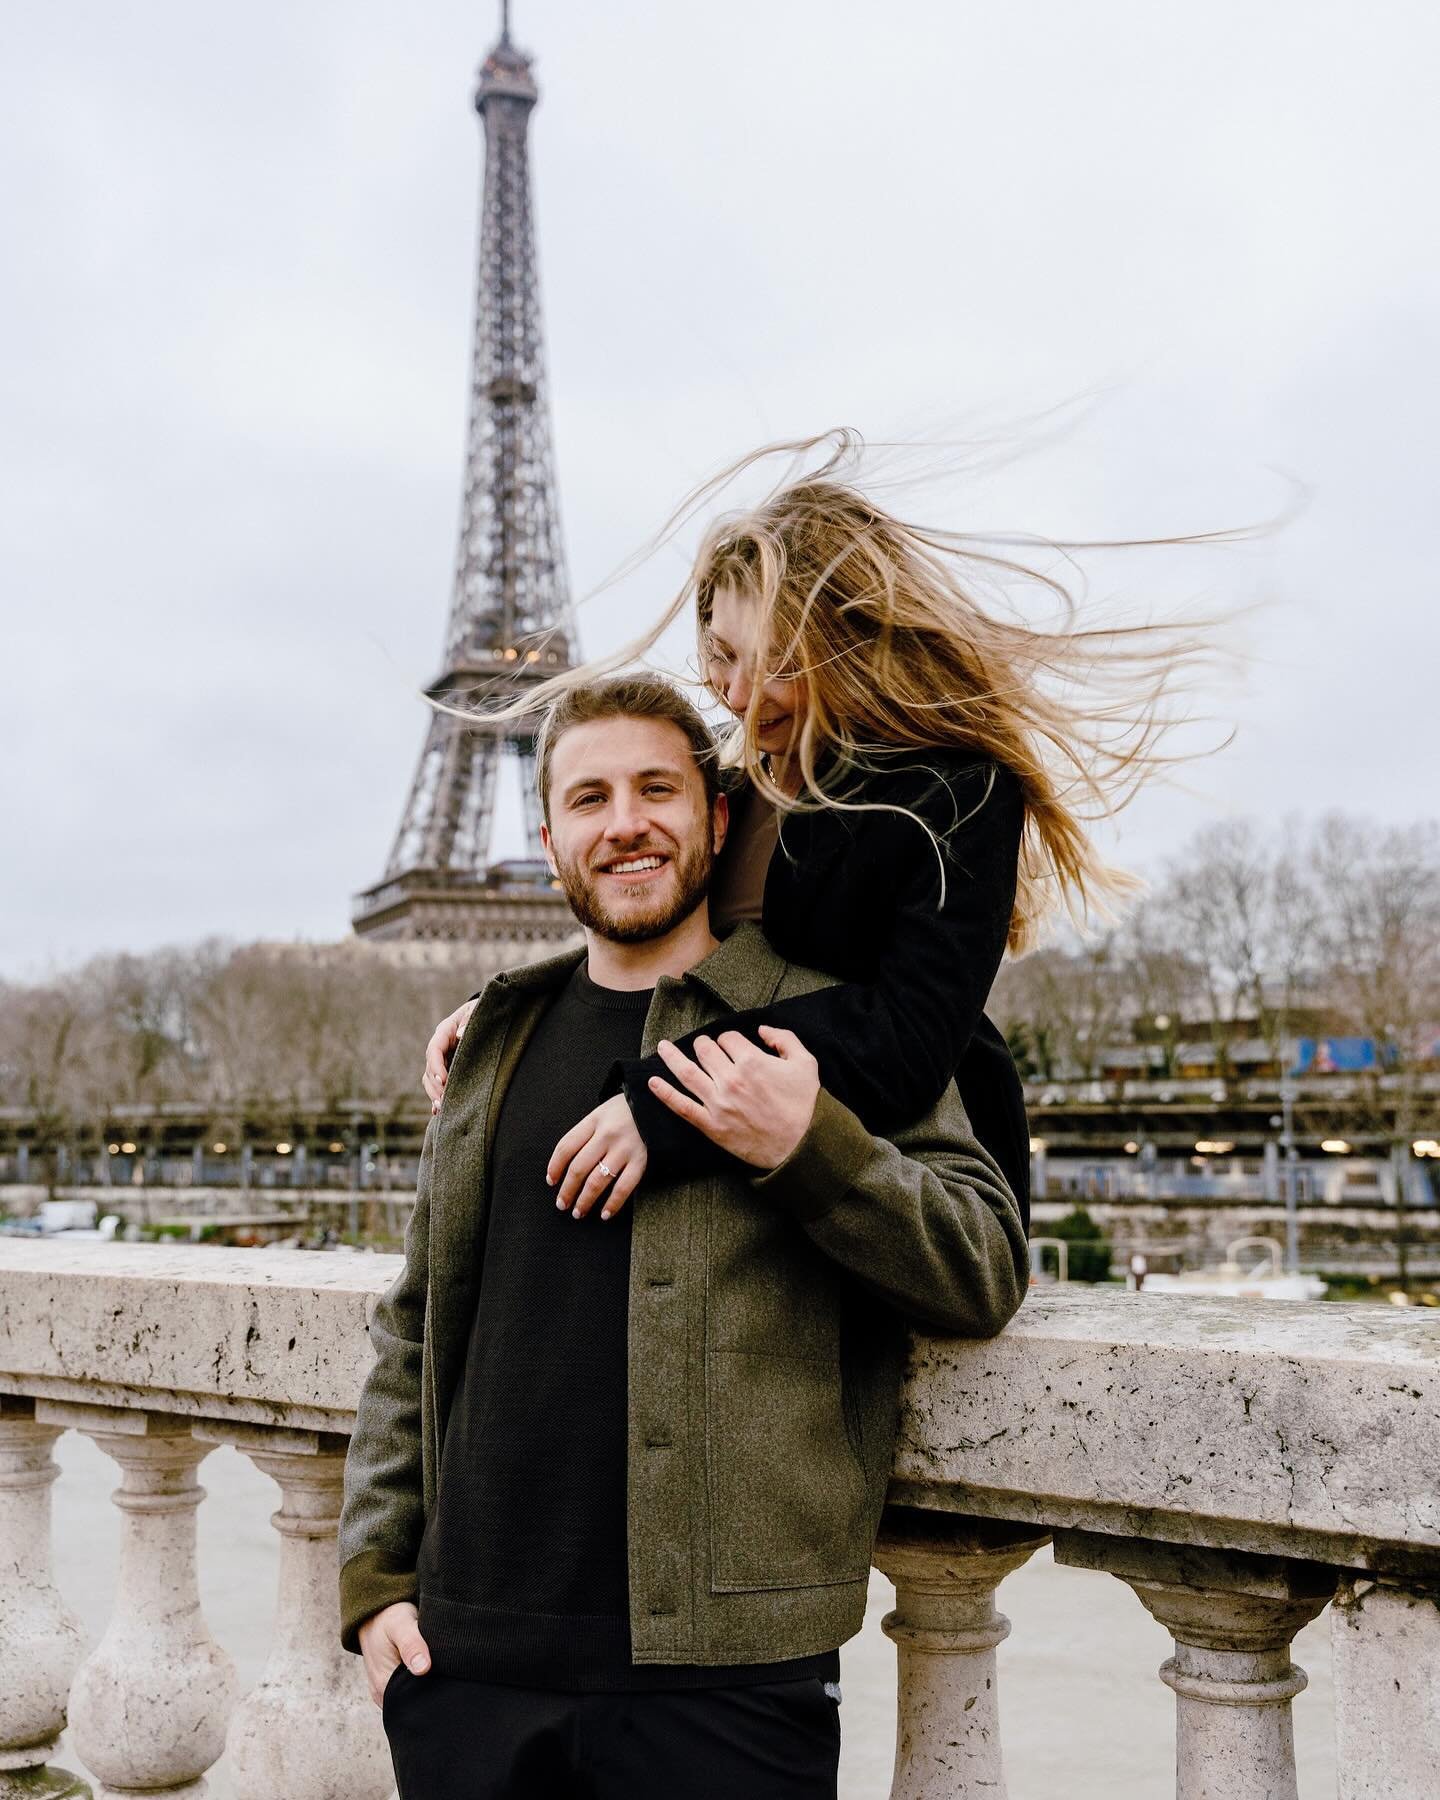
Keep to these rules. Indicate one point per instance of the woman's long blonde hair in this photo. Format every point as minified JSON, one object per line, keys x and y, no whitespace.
{"x":879,"y":623}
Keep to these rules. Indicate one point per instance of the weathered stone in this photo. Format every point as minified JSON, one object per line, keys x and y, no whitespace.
{"x":1233,"y":1618}
{"x":1238,"y":1440}
{"x":309,"y":1730}
{"x":1308,"y":1428}
{"x":1386,"y":1644}
{"x":277,"y":1336}
{"x":41,"y":1642}
{"x":946,"y":1629}
{"x":42,"y":1783}
{"x":149,"y":1705}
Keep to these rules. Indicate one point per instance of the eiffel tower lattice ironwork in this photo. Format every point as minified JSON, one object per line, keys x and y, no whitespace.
{"x":511,"y":623}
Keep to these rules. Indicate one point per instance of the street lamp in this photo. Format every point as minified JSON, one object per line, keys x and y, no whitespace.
{"x":1292,"y":1183}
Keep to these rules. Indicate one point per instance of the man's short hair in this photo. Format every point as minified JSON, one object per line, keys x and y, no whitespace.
{"x":641,"y":696}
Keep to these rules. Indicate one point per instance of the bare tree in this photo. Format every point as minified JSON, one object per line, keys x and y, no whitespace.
{"x":1163,"y":975}
{"x":39,"y":1031}
{"x":1379,"y":934}
{"x":1070,"y":1001}
{"x":1242,"y":903}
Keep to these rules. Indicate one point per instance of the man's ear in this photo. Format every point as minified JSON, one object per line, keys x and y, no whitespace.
{"x":720,"y":822}
{"x":547,"y":847}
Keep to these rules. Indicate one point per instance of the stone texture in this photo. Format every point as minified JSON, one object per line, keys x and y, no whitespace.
{"x":1232,"y":1618}
{"x":1386,"y":1644}
{"x":277,"y":1336}
{"x":1304,"y":1430}
{"x":41,"y":1641}
{"x":946,"y":1629}
{"x":308,"y":1729}
{"x":149,"y":1705}
{"x":1313,"y":1427}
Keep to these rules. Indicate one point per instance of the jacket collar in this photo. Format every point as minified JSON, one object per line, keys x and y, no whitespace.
{"x":541,"y":977}
{"x":741,"y":972}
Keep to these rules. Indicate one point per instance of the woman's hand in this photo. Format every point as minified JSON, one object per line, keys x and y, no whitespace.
{"x":603,"y":1151}
{"x":441,"y":1048}
{"x":756,"y":1106}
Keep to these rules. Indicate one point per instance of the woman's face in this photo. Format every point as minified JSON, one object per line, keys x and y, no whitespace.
{"x":729,"y":650}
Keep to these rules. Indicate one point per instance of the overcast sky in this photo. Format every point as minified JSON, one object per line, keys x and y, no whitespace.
{"x":235,"y":324}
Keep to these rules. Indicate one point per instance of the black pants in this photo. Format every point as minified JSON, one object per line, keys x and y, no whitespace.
{"x":476,"y":1740}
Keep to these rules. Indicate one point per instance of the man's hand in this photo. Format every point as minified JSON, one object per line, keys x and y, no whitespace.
{"x":388,"y":1638}
{"x":756,"y":1106}
{"x":441,"y":1048}
{"x":603,"y":1151}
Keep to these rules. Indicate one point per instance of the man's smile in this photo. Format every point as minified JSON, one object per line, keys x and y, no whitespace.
{"x":635,"y":871}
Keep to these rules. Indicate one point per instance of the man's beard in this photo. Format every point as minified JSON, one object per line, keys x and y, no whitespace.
{"x":692,"y":883}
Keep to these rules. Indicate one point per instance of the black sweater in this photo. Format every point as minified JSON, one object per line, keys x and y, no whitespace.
{"x":858,"y":895}
{"x":523,"y":1572}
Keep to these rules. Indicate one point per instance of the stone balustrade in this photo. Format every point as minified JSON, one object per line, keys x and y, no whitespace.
{"x":1239,"y":1466}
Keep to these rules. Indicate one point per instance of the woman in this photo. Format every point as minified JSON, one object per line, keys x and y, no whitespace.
{"x":896,"y":821}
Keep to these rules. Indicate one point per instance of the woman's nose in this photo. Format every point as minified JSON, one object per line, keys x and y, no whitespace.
{"x":737,"y":691}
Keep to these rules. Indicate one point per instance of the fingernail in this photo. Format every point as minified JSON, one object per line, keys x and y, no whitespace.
{"x":604,"y":1212}
{"x":420,"y":1665}
{"x":560,"y":1204}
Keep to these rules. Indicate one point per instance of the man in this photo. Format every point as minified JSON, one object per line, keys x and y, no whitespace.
{"x":614,"y":1481}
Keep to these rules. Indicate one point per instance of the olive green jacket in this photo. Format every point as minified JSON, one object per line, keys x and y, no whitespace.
{"x":767,"y":1339}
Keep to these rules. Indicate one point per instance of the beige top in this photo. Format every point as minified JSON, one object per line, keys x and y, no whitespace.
{"x":738,"y":891}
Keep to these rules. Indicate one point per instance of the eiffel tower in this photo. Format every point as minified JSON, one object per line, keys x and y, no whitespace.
{"x":511,"y":623}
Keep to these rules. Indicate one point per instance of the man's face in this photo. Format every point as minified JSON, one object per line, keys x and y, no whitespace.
{"x":630,"y":834}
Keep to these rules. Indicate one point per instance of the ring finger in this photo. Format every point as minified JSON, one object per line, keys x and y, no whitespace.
{"x":582,"y":1165}
{"x":599,"y":1178}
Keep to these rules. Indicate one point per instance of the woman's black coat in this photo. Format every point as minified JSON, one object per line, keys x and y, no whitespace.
{"x":858,"y":895}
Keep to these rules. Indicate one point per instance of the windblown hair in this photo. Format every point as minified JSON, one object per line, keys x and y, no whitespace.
{"x":640,"y":696}
{"x":880,"y":623}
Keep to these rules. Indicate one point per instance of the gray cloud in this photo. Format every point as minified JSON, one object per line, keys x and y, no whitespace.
{"x":236,"y":325}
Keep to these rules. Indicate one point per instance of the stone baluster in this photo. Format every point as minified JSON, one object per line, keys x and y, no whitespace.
{"x":1233,"y":1617}
{"x":1385,"y":1638}
{"x":149,"y":1705}
{"x":41,"y":1641}
{"x":946,"y":1569}
{"x":309,"y":1730}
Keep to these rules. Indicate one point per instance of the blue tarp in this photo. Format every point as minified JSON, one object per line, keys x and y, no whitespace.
{"x":1335,"y":1056}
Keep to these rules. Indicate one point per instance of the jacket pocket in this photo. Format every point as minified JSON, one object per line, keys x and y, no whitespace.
{"x":788,"y":1497}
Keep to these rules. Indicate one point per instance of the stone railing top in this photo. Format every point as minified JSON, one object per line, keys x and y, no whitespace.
{"x":273,"y":1336}
{"x":1308,"y":1430}
{"x":1303,"y":1429}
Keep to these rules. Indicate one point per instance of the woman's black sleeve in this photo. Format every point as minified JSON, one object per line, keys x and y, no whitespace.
{"x":887,"y":1046}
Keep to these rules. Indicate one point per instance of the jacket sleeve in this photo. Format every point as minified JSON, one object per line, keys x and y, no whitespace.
{"x":887,"y":1046}
{"x":928,"y":1222}
{"x":382,"y":1517}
